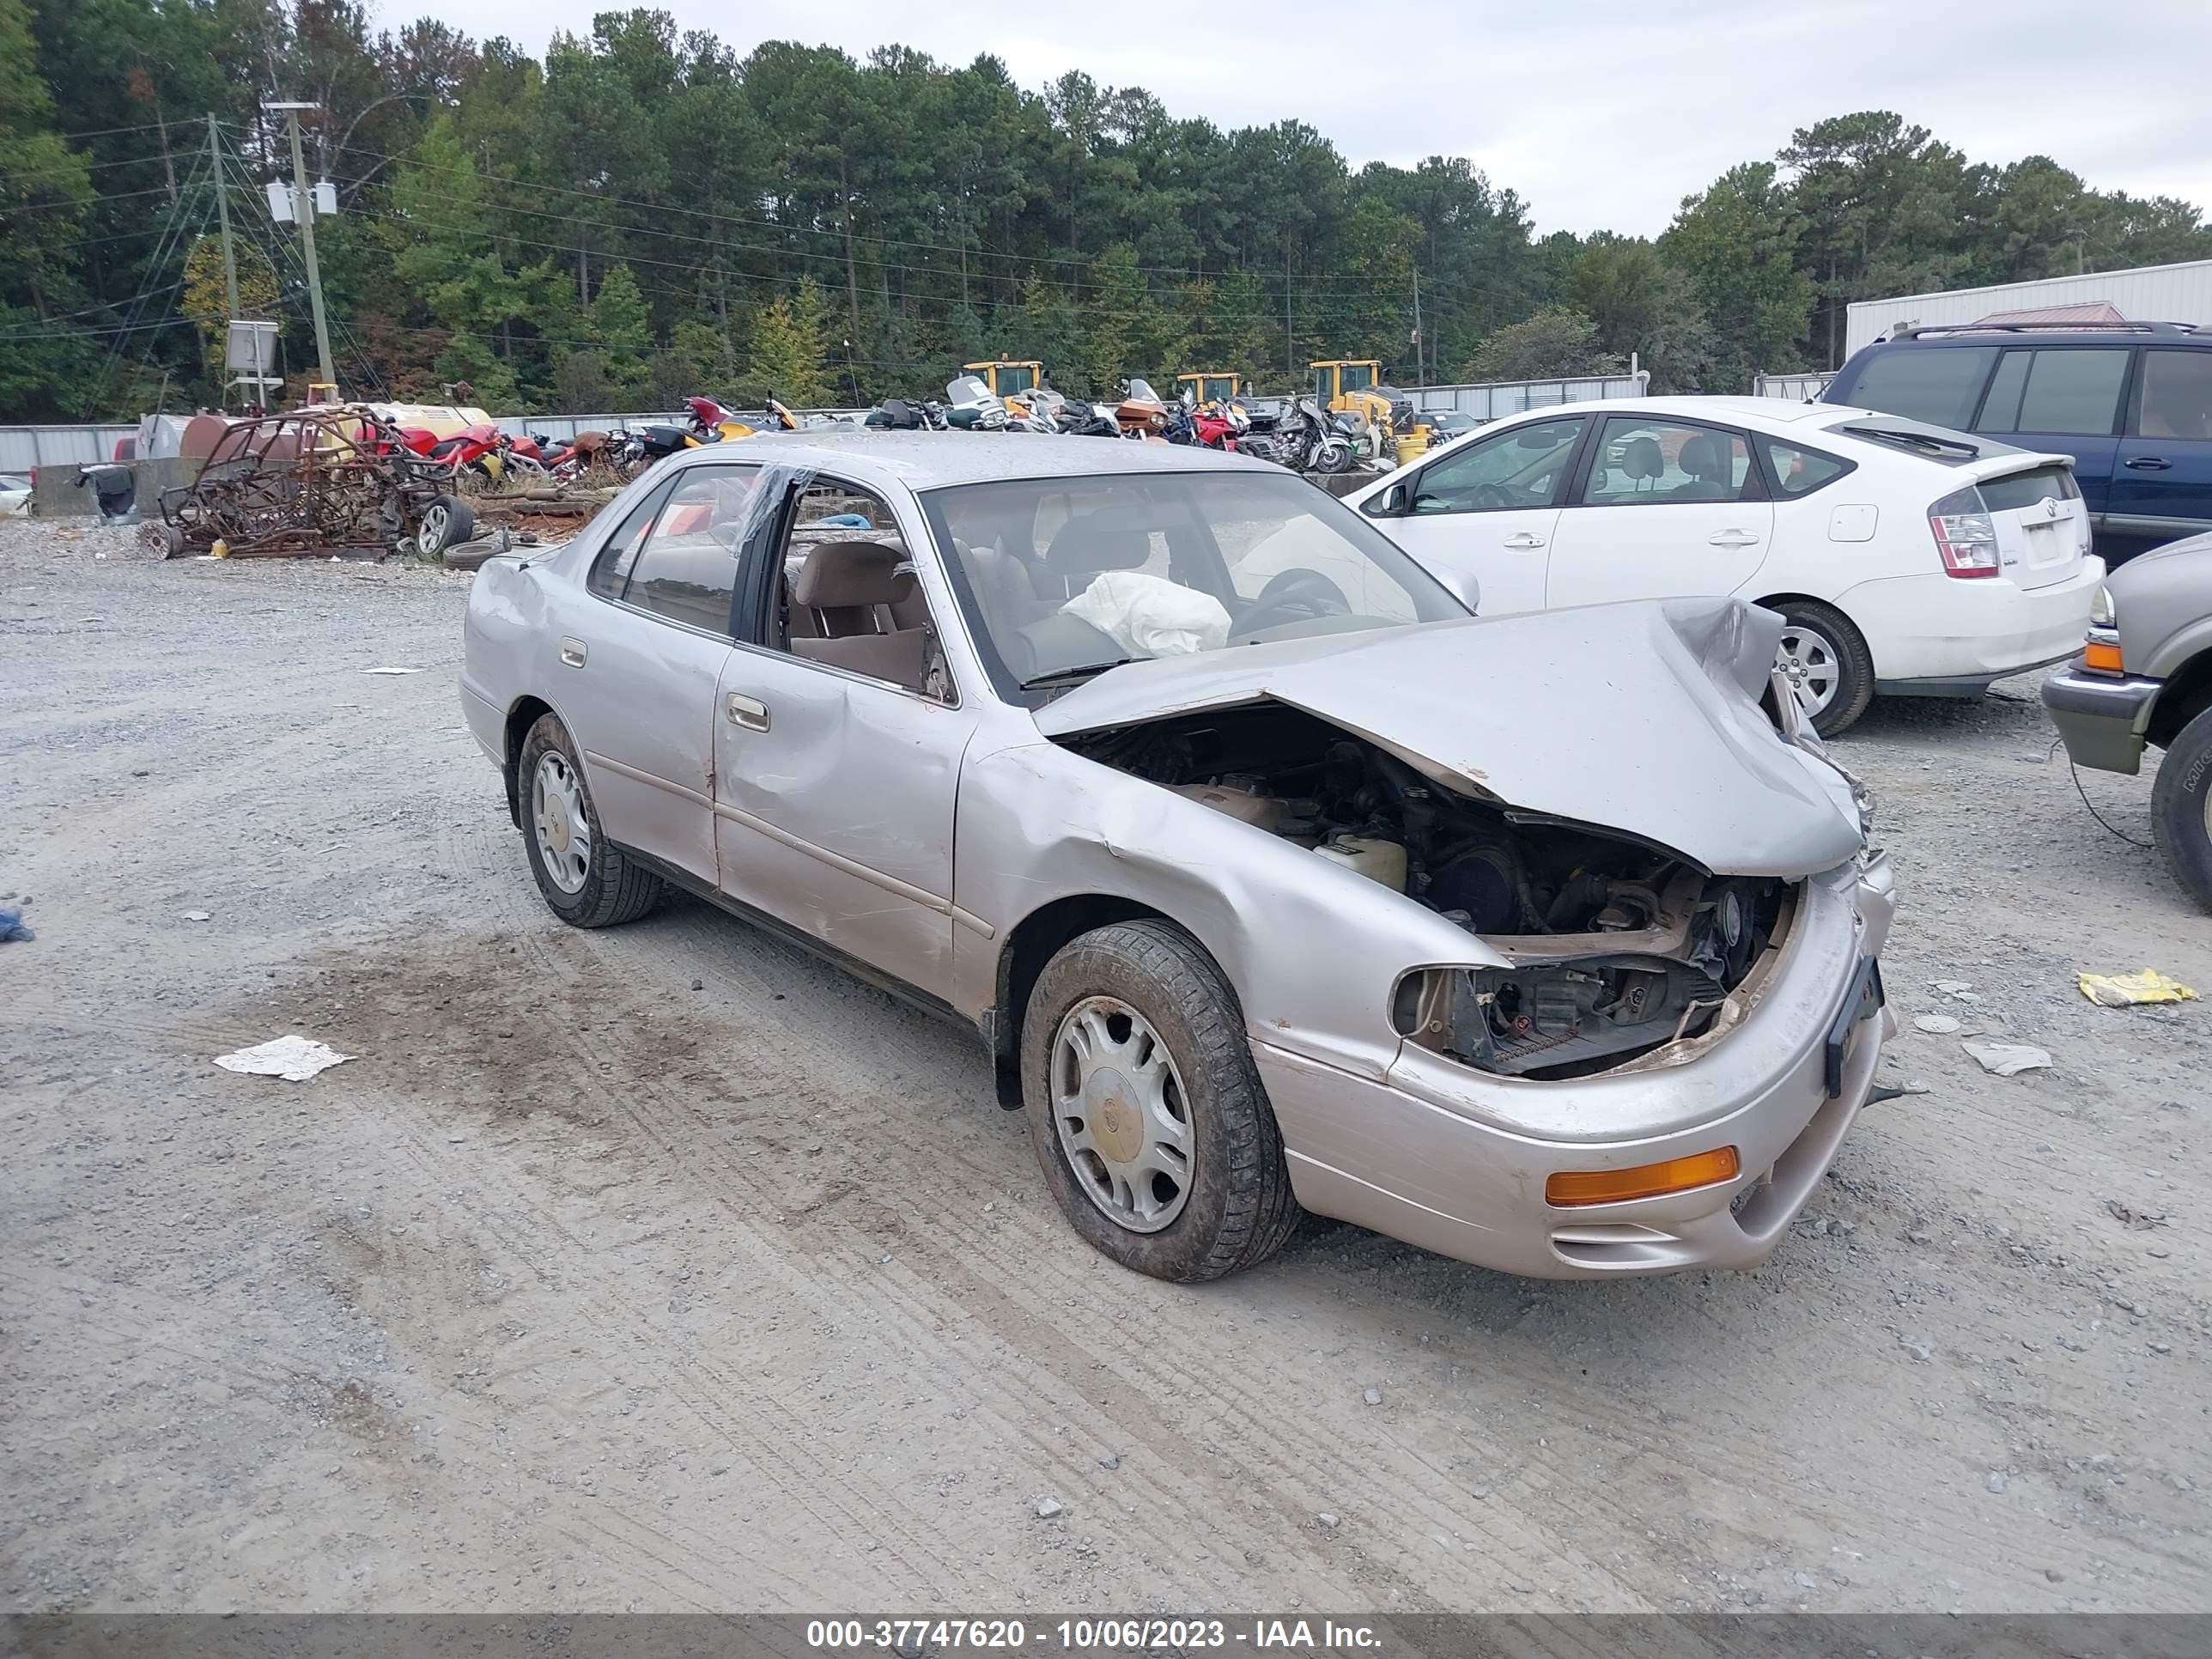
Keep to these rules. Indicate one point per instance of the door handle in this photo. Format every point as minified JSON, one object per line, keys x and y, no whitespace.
{"x":573,"y":653}
{"x":748,"y":712}
{"x":1733,"y":538}
{"x":1524,"y":539}
{"x":2149,"y":464}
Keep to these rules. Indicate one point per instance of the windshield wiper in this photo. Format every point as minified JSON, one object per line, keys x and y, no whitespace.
{"x":1070,"y":676}
{"x":1927,"y":442}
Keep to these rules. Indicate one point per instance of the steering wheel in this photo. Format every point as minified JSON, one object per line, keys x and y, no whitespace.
{"x":1489,"y":496}
{"x":1298,"y":594}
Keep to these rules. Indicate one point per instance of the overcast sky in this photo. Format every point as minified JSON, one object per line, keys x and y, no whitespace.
{"x":1603,"y":113}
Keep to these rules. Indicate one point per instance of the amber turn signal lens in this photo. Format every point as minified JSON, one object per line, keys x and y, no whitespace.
{"x":1566,"y":1189}
{"x":2101,"y":654}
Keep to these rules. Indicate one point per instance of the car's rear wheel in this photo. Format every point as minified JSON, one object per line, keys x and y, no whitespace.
{"x":2181,"y":807}
{"x":1145,"y":1111}
{"x":587,"y":880}
{"x":1826,"y":658}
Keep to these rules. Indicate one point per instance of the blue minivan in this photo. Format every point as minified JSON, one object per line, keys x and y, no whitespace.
{"x":2130,"y":402}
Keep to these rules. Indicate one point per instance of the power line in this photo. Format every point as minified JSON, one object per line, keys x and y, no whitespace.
{"x":42,"y":332}
{"x":87,"y":166}
{"x":979,"y":250}
{"x":90,"y":201}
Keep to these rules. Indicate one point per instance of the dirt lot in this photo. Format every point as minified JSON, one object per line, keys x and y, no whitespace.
{"x":664,"y":1269}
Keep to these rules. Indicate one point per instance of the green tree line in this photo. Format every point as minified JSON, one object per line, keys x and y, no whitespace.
{"x":644,"y":213}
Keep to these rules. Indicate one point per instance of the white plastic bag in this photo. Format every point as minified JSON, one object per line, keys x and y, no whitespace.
{"x":1149,"y":616}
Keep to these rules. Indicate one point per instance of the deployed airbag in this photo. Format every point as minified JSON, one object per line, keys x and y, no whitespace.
{"x":1149,"y":616}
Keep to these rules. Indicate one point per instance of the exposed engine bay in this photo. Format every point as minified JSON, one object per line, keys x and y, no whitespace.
{"x":1619,"y":949}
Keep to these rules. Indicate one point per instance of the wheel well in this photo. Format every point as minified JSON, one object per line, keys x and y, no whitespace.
{"x":1776,"y":601}
{"x":2188,"y":693}
{"x":526,"y":713}
{"x":1034,"y":942}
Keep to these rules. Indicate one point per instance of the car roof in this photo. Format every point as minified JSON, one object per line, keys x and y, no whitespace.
{"x":1933,"y":335}
{"x":934,"y":460}
{"x":1729,"y":409}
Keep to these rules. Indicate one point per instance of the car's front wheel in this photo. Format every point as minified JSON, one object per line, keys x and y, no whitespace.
{"x":587,"y":880}
{"x":1826,"y":658}
{"x":1145,"y":1111}
{"x":2181,"y":807}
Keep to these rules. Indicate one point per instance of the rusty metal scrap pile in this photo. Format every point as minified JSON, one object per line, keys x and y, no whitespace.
{"x":304,"y":482}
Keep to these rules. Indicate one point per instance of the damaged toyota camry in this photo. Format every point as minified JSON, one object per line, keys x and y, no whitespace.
{"x":1274,"y":880}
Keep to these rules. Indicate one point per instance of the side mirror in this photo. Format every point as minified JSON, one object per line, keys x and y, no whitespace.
{"x":1392,"y":503}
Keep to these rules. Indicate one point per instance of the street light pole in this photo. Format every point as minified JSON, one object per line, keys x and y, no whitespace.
{"x":303,"y":210}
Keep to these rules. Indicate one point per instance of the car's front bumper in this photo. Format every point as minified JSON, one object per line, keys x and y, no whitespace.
{"x":2102,"y":717}
{"x":1455,"y":1160}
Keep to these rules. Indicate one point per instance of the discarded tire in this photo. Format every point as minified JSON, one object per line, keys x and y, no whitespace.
{"x":446,"y":522}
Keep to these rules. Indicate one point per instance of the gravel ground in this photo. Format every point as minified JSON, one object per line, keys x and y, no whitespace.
{"x":663,"y":1268}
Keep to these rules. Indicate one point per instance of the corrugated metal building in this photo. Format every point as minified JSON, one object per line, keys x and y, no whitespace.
{"x":2148,"y":294}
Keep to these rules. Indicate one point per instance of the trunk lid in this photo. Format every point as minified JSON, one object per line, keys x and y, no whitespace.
{"x":1640,"y":719}
{"x":2041,"y":521}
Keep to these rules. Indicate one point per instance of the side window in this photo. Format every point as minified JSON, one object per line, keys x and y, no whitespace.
{"x":688,"y":568}
{"x":611,"y":568}
{"x":1939,"y":384}
{"x":1517,"y":468}
{"x":2075,"y":390}
{"x":851,"y":599}
{"x":1800,"y":472}
{"x":1639,"y":462}
{"x":2177,"y":395}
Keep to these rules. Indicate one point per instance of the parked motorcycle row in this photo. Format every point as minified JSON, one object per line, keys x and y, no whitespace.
{"x":488,"y":453}
{"x":1294,"y":432}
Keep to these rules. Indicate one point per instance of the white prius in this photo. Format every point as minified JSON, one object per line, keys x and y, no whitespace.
{"x":1907,"y":559}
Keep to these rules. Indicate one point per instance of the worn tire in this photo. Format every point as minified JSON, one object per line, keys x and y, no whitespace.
{"x":1240,"y":1210}
{"x":446,"y":522}
{"x":615,"y":889}
{"x":2181,"y":800}
{"x":1854,"y":663}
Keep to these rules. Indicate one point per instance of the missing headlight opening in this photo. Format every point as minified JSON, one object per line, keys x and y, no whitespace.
{"x":1622,"y":951}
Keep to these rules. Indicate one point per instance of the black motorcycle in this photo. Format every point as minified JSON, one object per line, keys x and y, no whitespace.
{"x":906,"y":415}
{"x":1304,"y":439}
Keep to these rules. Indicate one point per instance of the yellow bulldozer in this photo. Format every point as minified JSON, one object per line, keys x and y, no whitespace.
{"x":1010,"y":381}
{"x":1354,"y":386}
{"x":1211,"y":386}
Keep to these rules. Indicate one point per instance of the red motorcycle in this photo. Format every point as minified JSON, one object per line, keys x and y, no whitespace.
{"x":1213,"y":429}
{"x":560,"y":459}
{"x":476,"y":447}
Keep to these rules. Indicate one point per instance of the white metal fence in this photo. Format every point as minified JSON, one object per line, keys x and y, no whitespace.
{"x":1798,"y":388}
{"x":23,"y":447}
{"x":1491,"y":400}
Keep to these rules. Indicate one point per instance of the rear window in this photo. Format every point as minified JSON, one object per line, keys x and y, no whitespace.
{"x":2177,"y":394}
{"x":1800,"y":472}
{"x":2066,"y":390}
{"x":1939,"y":384}
{"x":2019,"y":490}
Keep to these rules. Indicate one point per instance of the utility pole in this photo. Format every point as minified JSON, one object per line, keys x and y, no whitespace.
{"x":1420,"y":380}
{"x":303,"y":210}
{"x":223,"y":217}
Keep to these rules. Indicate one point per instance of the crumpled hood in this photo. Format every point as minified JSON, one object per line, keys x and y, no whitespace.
{"x":1640,"y":718}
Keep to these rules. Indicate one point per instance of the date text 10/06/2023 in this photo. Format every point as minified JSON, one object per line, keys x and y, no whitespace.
{"x":914,"y":1635}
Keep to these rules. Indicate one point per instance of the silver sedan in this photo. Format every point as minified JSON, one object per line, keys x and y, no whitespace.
{"x":1272,"y":878}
